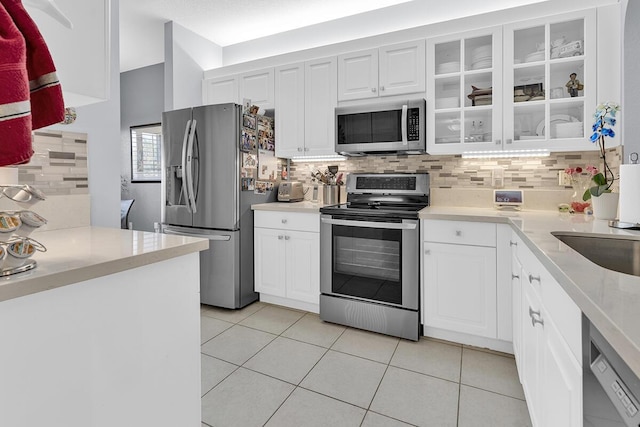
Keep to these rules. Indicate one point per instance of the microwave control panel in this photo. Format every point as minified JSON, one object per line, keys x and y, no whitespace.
{"x":413,"y":124}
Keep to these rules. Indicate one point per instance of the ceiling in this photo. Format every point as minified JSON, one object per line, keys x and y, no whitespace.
{"x":228,"y":22}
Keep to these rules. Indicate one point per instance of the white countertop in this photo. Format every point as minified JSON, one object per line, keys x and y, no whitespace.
{"x":611,"y":300}
{"x":77,"y":254}
{"x":305,"y":206}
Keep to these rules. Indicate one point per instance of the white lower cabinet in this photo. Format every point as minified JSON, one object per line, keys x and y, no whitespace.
{"x":548,"y":353}
{"x":287,"y":258}
{"x":460,"y":283}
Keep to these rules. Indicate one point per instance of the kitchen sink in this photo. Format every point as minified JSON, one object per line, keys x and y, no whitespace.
{"x":617,"y":253}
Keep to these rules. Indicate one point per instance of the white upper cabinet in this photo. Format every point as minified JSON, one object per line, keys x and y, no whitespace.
{"x":321,"y":100}
{"x":543,"y":106}
{"x":289,"y":113}
{"x":306,"y":96}
{"x":390,"y":70}
{"x":81,"y":54}
{"x":220,"y":90}
{"x":258,"y":86}
{"x":464,"y":108}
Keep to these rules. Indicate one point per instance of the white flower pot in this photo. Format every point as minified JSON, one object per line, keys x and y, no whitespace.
{"x":605,"y":206}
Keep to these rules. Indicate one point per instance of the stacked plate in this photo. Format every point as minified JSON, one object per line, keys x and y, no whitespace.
{"x":448,"y":67}
{"x":450,"y":102}
{"x":481,"y":57}
{"x":567,"y":130}
{"x":534,"y":56}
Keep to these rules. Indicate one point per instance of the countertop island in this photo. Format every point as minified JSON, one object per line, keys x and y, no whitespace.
{"x":104,"y":332}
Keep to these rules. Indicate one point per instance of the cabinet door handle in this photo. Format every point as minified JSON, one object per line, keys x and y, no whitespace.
{"x":535,"y":317}
{"x":280,"y":237}
{"x":427,"y":251}
{"x":458,"y":233}
{"x":513,"y":243}
{"x":284,"y":221}
{"x":373,"y":89}
{"x":306,"y":148}
{"x":532,"y":278}
{"x":514,"y":276}
{"x":299,"y":148}
{"x":381,"y":88}
{"x":498,"y":141}
{"x":509,"y":141}
{"x":287,"y":237}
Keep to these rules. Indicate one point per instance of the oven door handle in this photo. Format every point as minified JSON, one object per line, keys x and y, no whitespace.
{"x":371,"y":224}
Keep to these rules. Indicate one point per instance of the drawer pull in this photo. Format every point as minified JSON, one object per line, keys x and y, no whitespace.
{"x":458,"y":233}
{"x":535,"y":317}
{"x":513,"y":243}
{"x":427,"y":251}
{"x":287,"y":237}
{"x":284,"y":221}
{"x":532,"y":278}
{"x":280,"y":237}
{"x":514,"y":276}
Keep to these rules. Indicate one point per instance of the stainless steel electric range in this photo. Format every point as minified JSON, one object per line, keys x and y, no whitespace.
{"x":369,"y":254}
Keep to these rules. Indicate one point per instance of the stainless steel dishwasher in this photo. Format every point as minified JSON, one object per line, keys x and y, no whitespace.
{"x":610,"y":388}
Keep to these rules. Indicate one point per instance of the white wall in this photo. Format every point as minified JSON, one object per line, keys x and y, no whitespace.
{"x":101,"y":122}
{"x":186,"y":56}
{"x":141,"y":103}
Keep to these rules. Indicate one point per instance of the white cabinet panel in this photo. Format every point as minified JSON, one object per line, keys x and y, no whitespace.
{"x":460,"y":299}
{"x":269,"y":261}
{"x":562,"y":381}
{"x":516,"y":293}
{"x":402,"y":68}
{"x":531,"y":357}
{"x":220,"y":90}
{"x":290,"y":110}
{"x":259,"y":87}
{"x":321,"y":99}
{"x":358,"y":75}
{"x":303,"y":267}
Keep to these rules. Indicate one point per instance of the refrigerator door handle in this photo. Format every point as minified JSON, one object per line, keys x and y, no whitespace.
{"x":203,"y":236}
{"x":184,"y":161}
{"x":191,"y":200}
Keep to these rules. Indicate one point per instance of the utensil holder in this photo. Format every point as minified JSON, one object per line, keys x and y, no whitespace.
{"x":330,"y":194}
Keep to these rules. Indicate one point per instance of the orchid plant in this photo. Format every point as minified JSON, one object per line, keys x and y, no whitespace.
{"x":605,"y":119}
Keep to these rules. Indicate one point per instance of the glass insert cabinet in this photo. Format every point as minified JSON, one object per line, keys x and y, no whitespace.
{"x":526,"y":85}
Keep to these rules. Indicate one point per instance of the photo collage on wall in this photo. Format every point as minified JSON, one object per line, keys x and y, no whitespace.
{"x":260,"y":167}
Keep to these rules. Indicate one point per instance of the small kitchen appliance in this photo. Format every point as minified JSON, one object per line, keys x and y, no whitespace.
{"x":369,"y":254}
{"x":290,"y":191}
{"x":382,"y":128}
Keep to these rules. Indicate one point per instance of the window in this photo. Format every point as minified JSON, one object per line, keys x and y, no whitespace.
{"x":145,"y":153}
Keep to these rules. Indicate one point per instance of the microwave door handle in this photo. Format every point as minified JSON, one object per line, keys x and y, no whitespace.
{"x":190,"y":189}
{"x":185,"y":143}
{"x":405,"y":140}
{"x":370,"y":224}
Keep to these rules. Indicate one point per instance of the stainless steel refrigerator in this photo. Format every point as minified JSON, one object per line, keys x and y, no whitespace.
{"x":202,"y":197}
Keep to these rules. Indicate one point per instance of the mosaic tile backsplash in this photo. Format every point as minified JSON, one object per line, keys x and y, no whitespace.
{"x":539,"y":173}
{"x":59,"y":164}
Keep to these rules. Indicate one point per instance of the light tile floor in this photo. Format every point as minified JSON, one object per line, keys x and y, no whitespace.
{"x":266,"y":365}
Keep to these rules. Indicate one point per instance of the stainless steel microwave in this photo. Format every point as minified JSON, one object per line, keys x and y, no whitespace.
{"x":381,"y":128}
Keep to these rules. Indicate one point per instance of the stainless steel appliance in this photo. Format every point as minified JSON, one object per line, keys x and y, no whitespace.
{"x":610,"y":388}
{"x":202,"y":197}
{"x":382,"y":128}
{"x":369,"y":254}
{"x":290,"y":191}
